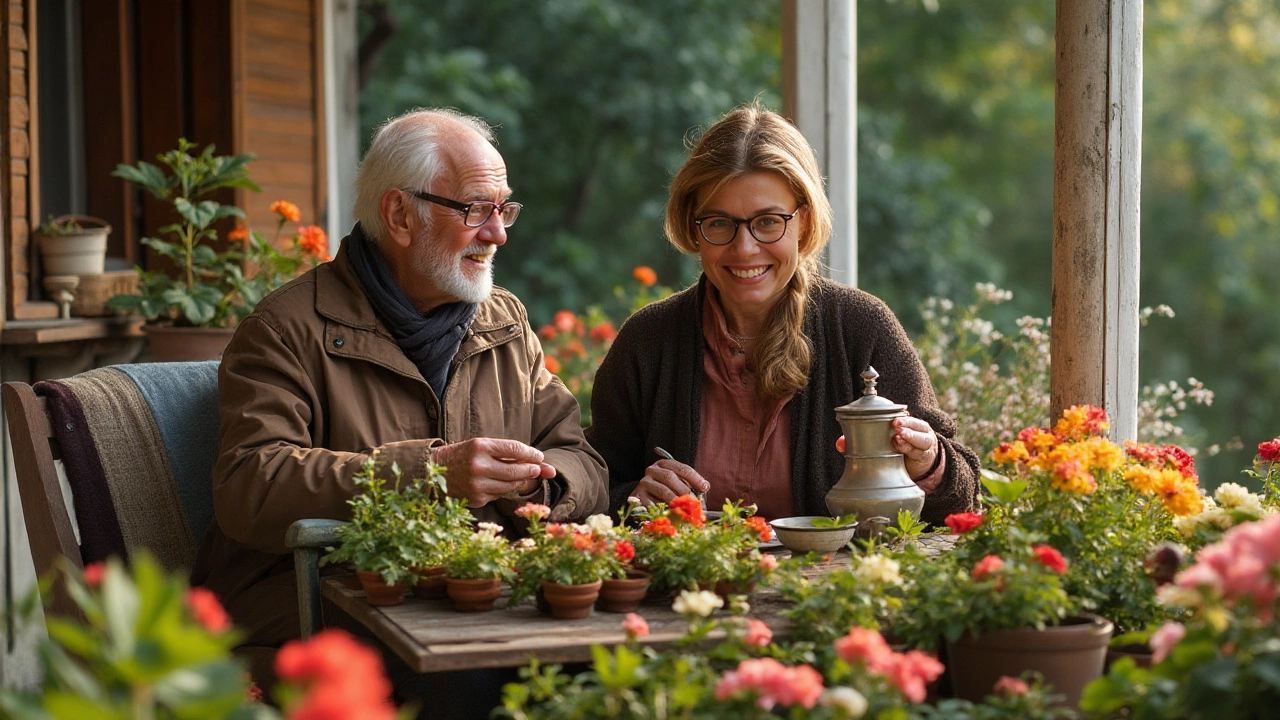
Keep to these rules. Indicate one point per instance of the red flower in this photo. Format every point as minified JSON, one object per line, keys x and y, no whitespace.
{"x":207,"y":610}
{"x":986,"y":566}
{"x":659,"y":526}
{"x":624,"y":550}
{"x":547,"y":332}
{"x":961,"y":523}
{"x":93,"y":574}
{"x":761,"y":526}
{"x":689,"y":509}
{"x":645,"y":275}
{"x":253,"y":693}
{"x":342,"y":678}
{"x":604,"y":332}
{"x":552,"y":364}
{"x":1269,"y":451}
{"x":565,"y":321}
{"x":1050,"y":558}
{"x":574,"y":347}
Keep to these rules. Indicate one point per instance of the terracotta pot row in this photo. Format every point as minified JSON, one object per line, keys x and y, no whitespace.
{"x":561,"y":601}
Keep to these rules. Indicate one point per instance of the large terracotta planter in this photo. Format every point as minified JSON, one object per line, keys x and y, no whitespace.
{"x":1069,"y":656}
{"x":622,"y":595}
{"x":179,"y":344}
{"x":571,"y":602}
{"x":377,"y":592}
{"x":473,"y":595}
{"x":430,"y":584}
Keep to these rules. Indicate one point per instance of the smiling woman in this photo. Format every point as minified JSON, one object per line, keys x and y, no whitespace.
{"x":740,"y":374}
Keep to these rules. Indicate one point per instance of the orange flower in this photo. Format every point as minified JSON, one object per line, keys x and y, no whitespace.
{"x":604,"y":332}
{"x":1080,"y":421}
{"x":553,"y":365}
{"x":1010,"y":453}
{"x":239,"y":234}
{"x":565,"y":321}
{"x":313,"y":239}
{"x":286,"y":210}
{"x":645,"y":275}
{"x":547,"y":332}
{"x":761,"y":527}
{"x":207,"y":610}
{"x":342,"y":678}
{"x":688,"y":509}
{"x":660,"y":526}
{"x":575,"y":347}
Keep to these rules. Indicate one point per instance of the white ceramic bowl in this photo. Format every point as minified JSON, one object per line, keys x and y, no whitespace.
{"x":800,"y":536}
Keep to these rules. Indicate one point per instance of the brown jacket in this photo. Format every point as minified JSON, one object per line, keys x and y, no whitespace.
{"x":313,"y":382}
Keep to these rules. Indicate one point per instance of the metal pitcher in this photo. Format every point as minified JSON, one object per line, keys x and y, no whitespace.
{"x":875,"y":480}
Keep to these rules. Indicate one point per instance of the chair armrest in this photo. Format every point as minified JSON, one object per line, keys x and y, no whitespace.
{"x":312,"y":533}
{"x":307,"y":538}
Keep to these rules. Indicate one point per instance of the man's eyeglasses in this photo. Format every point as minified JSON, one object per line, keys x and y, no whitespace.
{"x":477,"y":213}
{"x":765,"y":227}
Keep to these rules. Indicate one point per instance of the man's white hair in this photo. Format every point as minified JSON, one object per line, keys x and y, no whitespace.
{"x":405,"y":154}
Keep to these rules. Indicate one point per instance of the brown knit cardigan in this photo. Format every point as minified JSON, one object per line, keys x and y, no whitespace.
{"x":648,"y":392}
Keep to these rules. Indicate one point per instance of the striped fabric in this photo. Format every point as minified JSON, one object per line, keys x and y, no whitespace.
{"x":127,"y":491}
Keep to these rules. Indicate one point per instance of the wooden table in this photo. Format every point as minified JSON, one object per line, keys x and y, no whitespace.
{"x":430,"y":636}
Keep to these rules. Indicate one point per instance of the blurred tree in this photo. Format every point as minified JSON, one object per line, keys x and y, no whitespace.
{"x":593,"y":99}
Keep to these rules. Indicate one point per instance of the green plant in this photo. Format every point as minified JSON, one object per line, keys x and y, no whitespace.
{"x":681,"y":549}
{"x":577,"y":554}
{"x":213,"y":288}
{"x":148,"y":647}
{"x":866,"y":595}
{"x":434,"y":522}
{"x":482,"y":555}
{"x":59,"y":226}
{"x":378,"y":537}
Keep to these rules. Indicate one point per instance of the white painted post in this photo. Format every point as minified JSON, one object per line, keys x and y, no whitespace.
{"x":1097,"y":178}
{"x":819,"y":88}
{"x":342,"y":120}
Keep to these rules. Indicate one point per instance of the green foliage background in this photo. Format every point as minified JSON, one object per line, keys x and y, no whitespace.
{"x":594,"y":99}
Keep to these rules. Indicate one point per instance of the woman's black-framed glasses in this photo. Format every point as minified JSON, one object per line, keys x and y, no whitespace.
{"x":765,"y":227}
{"x":477,"y":213}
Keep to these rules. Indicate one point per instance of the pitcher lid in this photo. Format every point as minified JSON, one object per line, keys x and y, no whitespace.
{"x":871,"y":406}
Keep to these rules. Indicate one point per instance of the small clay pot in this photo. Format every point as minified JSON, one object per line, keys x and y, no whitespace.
{"x":377,"y":592}
{"x":571,"y":602}
{"x":474,"y":595}
{"x":623,"y":595}
{"x":430,"y":584}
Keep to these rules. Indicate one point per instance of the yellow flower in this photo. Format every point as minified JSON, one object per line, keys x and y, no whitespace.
{"x":1142,"y":478}
{"x":1080,"y":421}
{"x":1181,"y":497}
{"x":1104,"y":454}
{"x":1072,"y":476}
{"x":1010,"y":453}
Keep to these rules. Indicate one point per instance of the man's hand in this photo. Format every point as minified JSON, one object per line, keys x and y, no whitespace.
{"x":485,"y":469}
{"x":665,"y":480}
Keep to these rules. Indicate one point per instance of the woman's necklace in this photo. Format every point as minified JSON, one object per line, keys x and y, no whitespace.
{"x":740,"y":340}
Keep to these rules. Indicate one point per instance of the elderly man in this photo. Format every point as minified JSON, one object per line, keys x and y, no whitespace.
{"x":400,"y":346}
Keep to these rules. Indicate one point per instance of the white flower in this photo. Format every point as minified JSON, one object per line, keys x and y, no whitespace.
{"x":601,"y":524}
{"x":1252,"y":504}
{"x":878,"y":569}
{"x":851,"y":703}
{"x":1173,"y":596}
{"x":1231,"y":495}
{"x":700,"y":603}
{"x":525,"y":544}
{"x":1186,"y":525}
{"x":489,"y":529}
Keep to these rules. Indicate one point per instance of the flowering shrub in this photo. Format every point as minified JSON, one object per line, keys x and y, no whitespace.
{"x":1230,"y":505}
{"x":1266,"y":470}
{"x":1224,"y":661}
{"x":995,"y":383}
{"x":575,"y":554}
{"x":1102,"y":506}
{"x":825,"y":608}
{"x":482,"y":555}
{"x":574,"y":345}
{"x":268,"y":264}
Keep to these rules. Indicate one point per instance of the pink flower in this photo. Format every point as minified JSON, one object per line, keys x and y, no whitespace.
{"x":636,"y":626}
{"x":557,"y":529}
{"x":1164,"y":638}
{"x":773,"y":683}
{"x":986,"y":566}
{"x":863,"y":645}
{"x":768,"y":562}
{"x":758,"y":634}
{"x":1011,"y":686}
{"x":533,"y":510}
{"x":911,"y":672}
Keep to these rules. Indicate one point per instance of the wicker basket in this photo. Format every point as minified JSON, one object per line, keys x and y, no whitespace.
{"x":94,"y":291}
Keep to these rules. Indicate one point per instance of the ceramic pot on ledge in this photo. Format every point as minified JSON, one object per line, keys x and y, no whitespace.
{"x":623,"y":595}
{"x":473,"y":595}
{"x":571,"y":602}
{"x":377,"y":592}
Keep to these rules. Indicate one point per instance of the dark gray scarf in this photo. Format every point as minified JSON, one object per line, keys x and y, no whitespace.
{"x":429,"y":340}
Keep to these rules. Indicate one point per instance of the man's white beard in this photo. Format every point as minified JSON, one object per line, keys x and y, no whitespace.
{"x":444,"y":270}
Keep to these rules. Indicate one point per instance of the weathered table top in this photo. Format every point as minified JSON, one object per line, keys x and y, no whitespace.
{"x":430,"y":636}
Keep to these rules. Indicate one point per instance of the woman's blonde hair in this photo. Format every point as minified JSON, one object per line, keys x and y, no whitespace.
{"x":752,"y":138}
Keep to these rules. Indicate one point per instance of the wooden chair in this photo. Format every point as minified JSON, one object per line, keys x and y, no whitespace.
{"x":138,"y":444}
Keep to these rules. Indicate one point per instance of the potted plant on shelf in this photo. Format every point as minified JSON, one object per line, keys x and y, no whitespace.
{"x":213,"y":288}
{"x":567,"y":563}
{"x":477,"y":567}
{"x":376,"y":539}
{"x":1005,"y":614}
{"x":682,"y":550}
{"x":73,"y":245}
{"x":433,"y":524}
